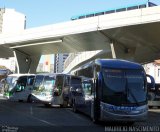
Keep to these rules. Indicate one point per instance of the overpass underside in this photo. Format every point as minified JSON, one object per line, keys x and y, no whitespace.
{"x":133,"y":34}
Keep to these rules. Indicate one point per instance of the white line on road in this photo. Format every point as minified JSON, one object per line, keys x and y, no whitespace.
{"x":31,"y":110}
{"x":74,"y":114}
{"x":30,"y":116}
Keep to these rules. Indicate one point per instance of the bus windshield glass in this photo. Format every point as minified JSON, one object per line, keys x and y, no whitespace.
{"x":123,"y":87}
{"x":48,"y":83}
{"x":11,"y":81}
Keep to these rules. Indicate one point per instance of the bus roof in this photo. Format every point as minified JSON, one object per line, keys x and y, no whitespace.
{"x":19,"y":75}
{"x":118,"y":63}
{"x":53,"y":74}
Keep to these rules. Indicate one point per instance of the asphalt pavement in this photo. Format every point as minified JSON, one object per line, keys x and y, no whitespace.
{"x":35,"y":117}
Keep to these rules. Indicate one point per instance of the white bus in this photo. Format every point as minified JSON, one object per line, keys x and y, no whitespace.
{"x":55,"y":89}
{"x":18,"y":87}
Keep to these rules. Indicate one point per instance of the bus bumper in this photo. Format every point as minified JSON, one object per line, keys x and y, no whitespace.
{"x":117,"y":114}
{"x":42,"y":99}
{"x":108,"y":116}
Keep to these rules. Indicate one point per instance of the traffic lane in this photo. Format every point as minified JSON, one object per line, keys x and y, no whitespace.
{"x":153,"y":118}
{"x":39,"y":118}
{"x":36,"y":117}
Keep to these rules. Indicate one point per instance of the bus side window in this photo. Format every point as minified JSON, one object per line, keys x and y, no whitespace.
{"x":30,"y":81}
{"x":87,"y":88}
{"x":67,"y":80}
{"x":59,"y":83}
{"x":21,"y":83}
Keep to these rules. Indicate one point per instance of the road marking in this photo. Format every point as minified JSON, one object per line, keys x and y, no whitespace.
{"x":30,"y":116}
{"x":47,"y":122}
{"x":74,"y":114}
{"x":31,"y":110}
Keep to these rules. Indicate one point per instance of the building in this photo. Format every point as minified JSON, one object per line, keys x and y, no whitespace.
{"x":59,"y":60}
{"x":11,"y":21}
{"x":2,"y":10}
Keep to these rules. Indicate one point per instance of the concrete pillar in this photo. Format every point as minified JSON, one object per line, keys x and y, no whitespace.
{"x":34,"y":63}
{"x":113,"y":50}
{"x":25,"y":63}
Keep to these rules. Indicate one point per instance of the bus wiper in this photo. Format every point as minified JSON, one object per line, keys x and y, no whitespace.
{"x":129,"y":91}
{"x":134,"y":97}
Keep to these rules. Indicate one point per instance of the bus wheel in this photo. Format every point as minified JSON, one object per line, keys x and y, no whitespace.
{"x":96,"y":114}
{"x":95,"y":119}
{"x":65,"y":103}
{"x":74,"y":109}
{"x":47,"y":105}
{"x":29,"y":99}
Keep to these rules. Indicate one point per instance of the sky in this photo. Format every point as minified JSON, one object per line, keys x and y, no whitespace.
{"x":45,"y":12}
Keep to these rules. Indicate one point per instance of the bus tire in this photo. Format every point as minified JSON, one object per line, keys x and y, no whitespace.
{"x":29,"y":99}
{"x":95,"y":119}
{"x":96,"y":114}
{"x":65,"y":103}
{"x":47,"y":105}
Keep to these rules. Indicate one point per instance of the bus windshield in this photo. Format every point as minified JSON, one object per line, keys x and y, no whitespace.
{"x":44,"y":83}
{"x":11,"y":82}
{"x":48,"y":83}
{"x":123,"y":87}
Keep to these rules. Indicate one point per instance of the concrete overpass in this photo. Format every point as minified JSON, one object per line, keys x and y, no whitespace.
{"x":133,"y":34}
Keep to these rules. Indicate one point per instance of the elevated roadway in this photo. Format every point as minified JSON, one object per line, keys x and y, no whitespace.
{"x":133,"y":34}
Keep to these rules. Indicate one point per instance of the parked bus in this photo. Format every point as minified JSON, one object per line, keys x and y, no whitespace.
{"x":116,"y":90}
{"x":153,"y":93}
{"x":55,"y":89}
{"x":18,"y":87}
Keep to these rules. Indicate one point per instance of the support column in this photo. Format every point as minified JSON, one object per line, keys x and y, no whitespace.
{"x":113,"y":50}
{"x":34,"y":63}
{"x":25,"y":63}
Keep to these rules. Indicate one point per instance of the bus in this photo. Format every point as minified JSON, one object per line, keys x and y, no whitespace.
{"x":112,"y":90}
{"x":138,"y":5}
{"x":153,"y":93}
{"x":55,"y":89}
{"x":18,"y":87}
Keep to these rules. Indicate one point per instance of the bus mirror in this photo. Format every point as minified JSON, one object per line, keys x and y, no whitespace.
{"x":150,"y":82}
{"x":3,"y":80}
{"x":71,"y":89}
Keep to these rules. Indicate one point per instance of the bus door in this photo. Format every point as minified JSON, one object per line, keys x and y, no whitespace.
{"x":57,"y":91}
{"x":21,"y":88}
{"x":75,"y":86}
{"x":66,"y":88}
{"x":29,"y":87}
{"x":88,"y":97}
